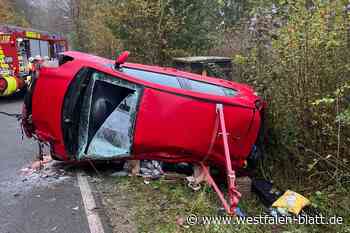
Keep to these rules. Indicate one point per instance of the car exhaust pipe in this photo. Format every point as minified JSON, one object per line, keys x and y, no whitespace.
{"x":10,"y":85}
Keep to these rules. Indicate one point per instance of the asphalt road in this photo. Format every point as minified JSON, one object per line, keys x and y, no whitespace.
{"x":33,"y":204}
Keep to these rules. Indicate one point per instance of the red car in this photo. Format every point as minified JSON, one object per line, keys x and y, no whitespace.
{"x":94,"y":108}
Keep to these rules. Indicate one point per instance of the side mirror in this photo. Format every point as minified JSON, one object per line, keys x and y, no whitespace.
{"x":121,"y":59}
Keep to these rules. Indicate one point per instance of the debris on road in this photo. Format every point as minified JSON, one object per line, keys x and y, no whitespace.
{"x":16,"y":195}
{"x":151,"y":169}
{"x":46,"y":170}
{"x":193,"y":184}
{"x":119,"y":174}
{"x":198,"y":177}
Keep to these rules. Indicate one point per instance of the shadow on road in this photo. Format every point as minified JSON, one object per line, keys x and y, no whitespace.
{"x":18,"y":97}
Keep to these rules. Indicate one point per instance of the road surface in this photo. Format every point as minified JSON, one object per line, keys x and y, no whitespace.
{"x":32,"y":204}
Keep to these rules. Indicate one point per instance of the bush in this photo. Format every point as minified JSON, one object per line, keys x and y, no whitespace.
{"x":298,"y":59}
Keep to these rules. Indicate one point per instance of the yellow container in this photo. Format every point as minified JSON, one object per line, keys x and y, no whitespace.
{"x":292,"y":201}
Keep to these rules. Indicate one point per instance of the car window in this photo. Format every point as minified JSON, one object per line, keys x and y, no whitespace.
{"x":179,"y":82}
{"x":113,"y":137}
{"x":207,"y":88}
{"x":163,"y":79}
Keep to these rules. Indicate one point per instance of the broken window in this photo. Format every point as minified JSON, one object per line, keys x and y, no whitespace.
{"x":113,"y":137}
{"x":107,"y":117}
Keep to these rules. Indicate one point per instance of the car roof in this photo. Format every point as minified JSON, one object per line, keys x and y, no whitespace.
{"x":105,"y":65}
{"x":151,"y":68}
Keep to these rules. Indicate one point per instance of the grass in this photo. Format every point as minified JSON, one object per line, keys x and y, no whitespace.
{"x":163,"y":207}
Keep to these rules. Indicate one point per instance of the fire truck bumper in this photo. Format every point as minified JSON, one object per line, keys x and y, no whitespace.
{"x":10,"y":85}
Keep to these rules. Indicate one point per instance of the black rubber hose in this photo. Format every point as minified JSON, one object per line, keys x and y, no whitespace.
{"x":13,"y":115}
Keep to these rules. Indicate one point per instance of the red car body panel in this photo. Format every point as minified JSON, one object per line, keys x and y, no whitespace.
{"x":47,"y":102}
{"x":185,"y":125}
{"x":172,"y":124}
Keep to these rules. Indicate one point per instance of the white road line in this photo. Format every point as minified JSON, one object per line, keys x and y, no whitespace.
{"x":93,"y":218}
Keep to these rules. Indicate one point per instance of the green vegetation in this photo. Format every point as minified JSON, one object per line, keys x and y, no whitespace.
{"x":154,"y":31}
{"x":163,"y":206}
{"x":296,"y":54}
{"x":302,"y":69}
{"x":8,"y":15}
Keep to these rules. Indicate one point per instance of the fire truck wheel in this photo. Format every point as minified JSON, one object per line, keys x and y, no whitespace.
{"x":22,"y":92}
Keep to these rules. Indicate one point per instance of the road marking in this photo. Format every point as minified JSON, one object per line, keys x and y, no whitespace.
{"x":95,"y":223}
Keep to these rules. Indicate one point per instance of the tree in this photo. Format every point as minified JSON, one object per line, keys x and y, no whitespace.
{"x":8,"y":15}
{"x":157,"y":30}
{"x":298,"y":59}
{"x":233,"y":11}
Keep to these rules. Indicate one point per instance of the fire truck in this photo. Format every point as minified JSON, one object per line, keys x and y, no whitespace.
{"x":18,"y":48}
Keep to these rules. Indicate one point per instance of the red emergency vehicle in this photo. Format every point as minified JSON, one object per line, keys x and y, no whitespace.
{"x":18,"y":48}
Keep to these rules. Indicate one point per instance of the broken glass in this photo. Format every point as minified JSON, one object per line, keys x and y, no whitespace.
{"x":113,"y":137}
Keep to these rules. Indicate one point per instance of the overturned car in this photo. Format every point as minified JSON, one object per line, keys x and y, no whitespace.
{"x":94,"y":108}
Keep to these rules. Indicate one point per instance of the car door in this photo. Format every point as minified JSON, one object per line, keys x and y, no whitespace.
{"x":104,"y":114}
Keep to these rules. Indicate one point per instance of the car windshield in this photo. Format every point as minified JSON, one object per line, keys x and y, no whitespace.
{"x":179,"y":82}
